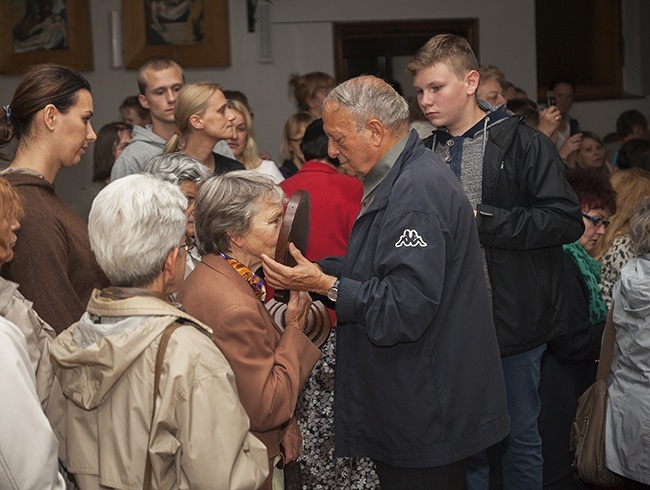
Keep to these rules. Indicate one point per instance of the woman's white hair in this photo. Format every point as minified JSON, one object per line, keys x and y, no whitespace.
{"x":176,"y":167}
{"x":133,"y":225}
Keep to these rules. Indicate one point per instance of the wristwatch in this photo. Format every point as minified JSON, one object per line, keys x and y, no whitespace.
{"x":333,"y":292}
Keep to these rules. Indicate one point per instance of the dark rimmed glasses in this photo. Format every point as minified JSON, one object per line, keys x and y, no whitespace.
{"x":597,"y":222}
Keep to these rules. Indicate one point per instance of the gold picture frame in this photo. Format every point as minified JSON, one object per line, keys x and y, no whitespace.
{"x":59,"y":33}
{"x":193,"y":34}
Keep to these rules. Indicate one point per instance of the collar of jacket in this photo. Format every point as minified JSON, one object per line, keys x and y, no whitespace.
{"x":413,"y":149}
{"x":7,"y":290}
{"x":138,"y":306}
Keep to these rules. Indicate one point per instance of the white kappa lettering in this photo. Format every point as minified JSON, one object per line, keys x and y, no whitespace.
{"x":410,"y":238}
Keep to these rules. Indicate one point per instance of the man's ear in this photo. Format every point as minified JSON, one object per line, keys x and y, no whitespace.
{"x":143,"y":101}
{"x":472,"y":80}
{"x":49,"y":116}
{"x":377,"y":131}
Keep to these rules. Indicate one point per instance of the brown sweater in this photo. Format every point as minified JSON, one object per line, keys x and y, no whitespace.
{"x":53,"y":263}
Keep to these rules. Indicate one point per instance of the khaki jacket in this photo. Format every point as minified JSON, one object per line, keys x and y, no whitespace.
{"x":105,"y":365}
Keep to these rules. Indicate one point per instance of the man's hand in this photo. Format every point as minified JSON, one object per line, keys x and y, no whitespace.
{"x":305,"y":276}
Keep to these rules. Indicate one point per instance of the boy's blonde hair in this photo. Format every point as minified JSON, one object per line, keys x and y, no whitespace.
{"x":450,"y":49}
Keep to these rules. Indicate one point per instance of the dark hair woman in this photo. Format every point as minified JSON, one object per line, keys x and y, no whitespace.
{"x":569,"y":363}
{"x":49,"y":116}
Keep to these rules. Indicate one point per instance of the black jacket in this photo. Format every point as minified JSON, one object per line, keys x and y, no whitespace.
{"x":418,"y":375}
{"x":568,"y":369}
{"x":528,"y":211}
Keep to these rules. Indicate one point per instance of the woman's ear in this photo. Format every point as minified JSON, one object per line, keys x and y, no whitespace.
{"x":169,"y":267}
{"x":236,"y":240}
{"x":196,"y":121}
{"x":49,"y":116}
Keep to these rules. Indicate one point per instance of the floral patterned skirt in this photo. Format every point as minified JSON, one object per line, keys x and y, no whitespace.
{"x":315,"y":414}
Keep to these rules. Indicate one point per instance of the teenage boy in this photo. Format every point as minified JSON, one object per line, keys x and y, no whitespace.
{"x":159,"y":80}
{"x":525,"y":211}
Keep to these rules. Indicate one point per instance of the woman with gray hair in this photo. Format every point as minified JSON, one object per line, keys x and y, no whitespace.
{"x":238,"y":218}
{"x":133,"y":421}
{"x":628,"y":408}
{"x":186,"y":172}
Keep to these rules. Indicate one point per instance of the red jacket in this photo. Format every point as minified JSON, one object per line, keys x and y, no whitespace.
{"x":335,"y":204}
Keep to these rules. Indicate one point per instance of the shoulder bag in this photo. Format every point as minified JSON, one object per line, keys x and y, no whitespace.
{"x":588,"y":429}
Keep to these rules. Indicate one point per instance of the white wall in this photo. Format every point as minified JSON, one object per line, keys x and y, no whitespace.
{"x":302,"y":42}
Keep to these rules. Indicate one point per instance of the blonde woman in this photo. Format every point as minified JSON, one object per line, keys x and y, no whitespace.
{"x":294,"y":130}
{"x":591,"y":154}
{"x":203,"y":118}
{"x":614,"y":249}
{"x":243,"y":145}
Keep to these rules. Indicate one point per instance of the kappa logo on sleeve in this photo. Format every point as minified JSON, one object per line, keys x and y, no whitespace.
{"x":410,"y":238}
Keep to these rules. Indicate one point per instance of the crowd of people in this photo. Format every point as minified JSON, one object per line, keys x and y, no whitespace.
{"x":468,"y":271}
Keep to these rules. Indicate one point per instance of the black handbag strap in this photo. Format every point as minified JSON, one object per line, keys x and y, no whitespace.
{"x":160,"y":356}
{"x":607,"y":347}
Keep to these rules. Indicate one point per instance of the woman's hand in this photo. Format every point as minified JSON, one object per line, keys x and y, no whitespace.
{"x":292,"y":442}
{"x":571,"y":144}
{"x":297,"y":309}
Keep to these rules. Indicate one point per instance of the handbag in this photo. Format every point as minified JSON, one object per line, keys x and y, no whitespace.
{"x":588,"y":429}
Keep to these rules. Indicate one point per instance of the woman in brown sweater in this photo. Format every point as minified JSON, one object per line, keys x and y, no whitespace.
{"x":49,"y":115}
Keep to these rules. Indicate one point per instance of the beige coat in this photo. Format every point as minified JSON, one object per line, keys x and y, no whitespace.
{"x":38,"y":334}
{"x":200,"y":435}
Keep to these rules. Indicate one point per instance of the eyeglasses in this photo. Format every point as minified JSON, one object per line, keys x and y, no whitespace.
{"x":597,"y":222}
{"x":187,"y":245}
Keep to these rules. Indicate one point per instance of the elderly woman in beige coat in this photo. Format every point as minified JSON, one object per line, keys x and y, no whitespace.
{"x":115,"y":430}
{"x":237,"y":219}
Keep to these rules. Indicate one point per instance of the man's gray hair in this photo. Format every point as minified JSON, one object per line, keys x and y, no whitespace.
{"x":225,"y":206}
{"x":368,"y":97}
{"x":640,"y":229}
{"x":133,"y":225}
{"x":176,"y":167}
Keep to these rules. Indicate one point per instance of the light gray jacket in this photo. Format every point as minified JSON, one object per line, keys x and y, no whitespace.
{"x":627,"y":437}
{"x":145,"y":145}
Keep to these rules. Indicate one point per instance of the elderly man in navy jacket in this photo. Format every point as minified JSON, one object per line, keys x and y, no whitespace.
{"x":419,"y":386}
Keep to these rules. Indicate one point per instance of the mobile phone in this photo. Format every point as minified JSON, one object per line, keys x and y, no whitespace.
{"x":550,"y":98}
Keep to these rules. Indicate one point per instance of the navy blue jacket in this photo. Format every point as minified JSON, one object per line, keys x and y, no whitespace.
{"x":418,"y":374}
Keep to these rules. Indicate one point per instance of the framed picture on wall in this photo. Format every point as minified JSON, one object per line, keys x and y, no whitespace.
{"x":193,"y":33}
{"x":45,"y":31}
